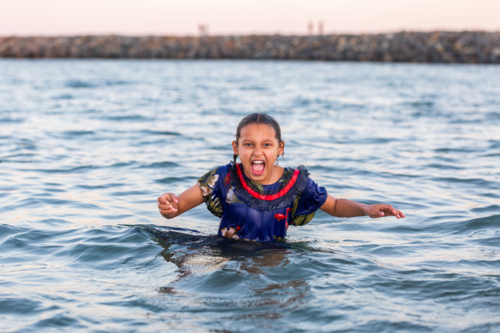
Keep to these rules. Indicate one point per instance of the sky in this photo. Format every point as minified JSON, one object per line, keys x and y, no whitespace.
{"x":241,"y":17}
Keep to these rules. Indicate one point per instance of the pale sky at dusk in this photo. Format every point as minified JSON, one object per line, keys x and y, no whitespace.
{"x":165,"y":17}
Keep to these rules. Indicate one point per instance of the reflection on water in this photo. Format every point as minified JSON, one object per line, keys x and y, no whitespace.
{"x":206,"y":254}
{"x":201,"y":259}
{"x":87,"y":146}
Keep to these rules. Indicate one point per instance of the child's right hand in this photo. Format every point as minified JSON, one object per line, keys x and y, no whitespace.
{"x":168,"y":204}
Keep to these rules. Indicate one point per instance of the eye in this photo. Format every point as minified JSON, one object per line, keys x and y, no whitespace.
{"x":247,"y":144}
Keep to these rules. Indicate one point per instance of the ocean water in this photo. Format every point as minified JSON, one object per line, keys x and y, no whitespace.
{"x":86,"y":147}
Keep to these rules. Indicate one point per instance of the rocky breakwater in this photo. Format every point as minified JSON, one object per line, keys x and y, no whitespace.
{"x":426,"y":47}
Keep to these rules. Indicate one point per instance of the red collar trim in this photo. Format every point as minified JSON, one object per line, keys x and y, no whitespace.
{"x":267,"y":197}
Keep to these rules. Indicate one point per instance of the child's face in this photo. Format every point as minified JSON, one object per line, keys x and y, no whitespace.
{"x":258,"y":149}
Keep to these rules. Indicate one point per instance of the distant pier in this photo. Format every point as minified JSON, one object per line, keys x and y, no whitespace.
{"x":421,"y":47}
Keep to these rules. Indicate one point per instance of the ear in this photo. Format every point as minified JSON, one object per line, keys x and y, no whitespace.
{"x":235,"y":148}
{"x":281,"y":149}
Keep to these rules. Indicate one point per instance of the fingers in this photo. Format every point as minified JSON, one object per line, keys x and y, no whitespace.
{"x":167,"y":205}
{"x":167,"y":208}
{"x":166,"y":202}
{"x":167,"y":197}
{"x":167,"y":211}
{"x":381,"y":210}
{"x":391,"y":211}
{"x":231,"y":232}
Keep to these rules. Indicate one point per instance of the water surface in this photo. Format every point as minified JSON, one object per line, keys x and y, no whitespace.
{"x":87,"y":146}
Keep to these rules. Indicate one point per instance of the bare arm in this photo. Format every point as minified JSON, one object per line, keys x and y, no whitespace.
{"x":171,"y":206}
{"x":349,"y":208}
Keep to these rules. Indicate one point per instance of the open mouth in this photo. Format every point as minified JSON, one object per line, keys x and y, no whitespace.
{"x":258,"y":167}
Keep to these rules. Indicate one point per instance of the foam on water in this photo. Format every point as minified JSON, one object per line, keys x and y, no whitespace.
{"x":87,"y":146}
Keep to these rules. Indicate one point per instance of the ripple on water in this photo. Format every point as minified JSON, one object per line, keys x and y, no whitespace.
{"x":85,"y":151}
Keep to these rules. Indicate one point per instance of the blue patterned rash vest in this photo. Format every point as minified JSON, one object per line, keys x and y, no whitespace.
{"x":258,"y":219}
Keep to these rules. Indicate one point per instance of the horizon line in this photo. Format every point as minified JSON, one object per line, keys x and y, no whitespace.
{"x":380,"y":32}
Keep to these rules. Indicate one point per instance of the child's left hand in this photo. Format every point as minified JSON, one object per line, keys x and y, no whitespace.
{"x":381,"y":210}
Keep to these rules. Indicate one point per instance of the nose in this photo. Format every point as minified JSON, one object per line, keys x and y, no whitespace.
{"x":257,"y":151}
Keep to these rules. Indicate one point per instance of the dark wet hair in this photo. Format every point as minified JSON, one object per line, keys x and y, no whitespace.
{"x":258,"y":118}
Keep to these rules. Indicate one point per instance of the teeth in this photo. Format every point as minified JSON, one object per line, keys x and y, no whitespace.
{"x":258,"y":162}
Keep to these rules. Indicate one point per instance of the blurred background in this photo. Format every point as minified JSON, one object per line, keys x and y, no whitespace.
{"x":225,"y":17}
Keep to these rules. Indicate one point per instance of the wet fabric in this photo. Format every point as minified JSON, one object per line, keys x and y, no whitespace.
{"x":256,"y":219}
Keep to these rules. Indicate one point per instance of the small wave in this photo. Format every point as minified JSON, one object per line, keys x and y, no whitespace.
{"x":167,"y":133}
{"x":121,"y":164}
{"x":442,"y":166}
{"x":495,"y":116}
{"x":11,"y":120}
{"x":368,"y":141}
{"x":420,"y":104}
{"x":17,"y":305}
{"x":127,"y":193}
{"x":117,"y":82}
{"x":129,"y":117}
{"x":63,"y":96}
{"x":466,"y":181}
{"x":486,"y":209}
{"x":160,"y":165}
{"x":8,"y":230}
{"x":253,"y":88}
{"x":79,"y":84}
{"x":494,"y":144}
{"x":85,"y":168}
{"x":493,"y":241}
{"x":87,"y":84}
{"x":78,"y":133}
{"x":173,"y":180}
{"x":455,"y":150}
{"x":483,"y":223}
{"x":97,"y":187}
{"x":28,"y":158}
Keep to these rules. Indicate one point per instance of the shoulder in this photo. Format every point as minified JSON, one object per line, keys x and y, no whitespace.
{"x":213,"y":175}
{"x":289,"y":172}
{"x":311,"y":191}
{"x":210,"y":183}
{"x":306,"y":184}
{"x":303,"y":170}
{"x":310,"y":199}
{"x":298,"y":176}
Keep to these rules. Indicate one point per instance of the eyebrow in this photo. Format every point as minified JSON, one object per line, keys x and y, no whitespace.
{"x":248,"y":140}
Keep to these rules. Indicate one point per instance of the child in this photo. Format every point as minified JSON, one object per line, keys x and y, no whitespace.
{"x":256,"y":199}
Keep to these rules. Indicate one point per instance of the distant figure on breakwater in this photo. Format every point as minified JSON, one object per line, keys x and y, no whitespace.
{"x":203,"y":29}
{"x":320,"y":28}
